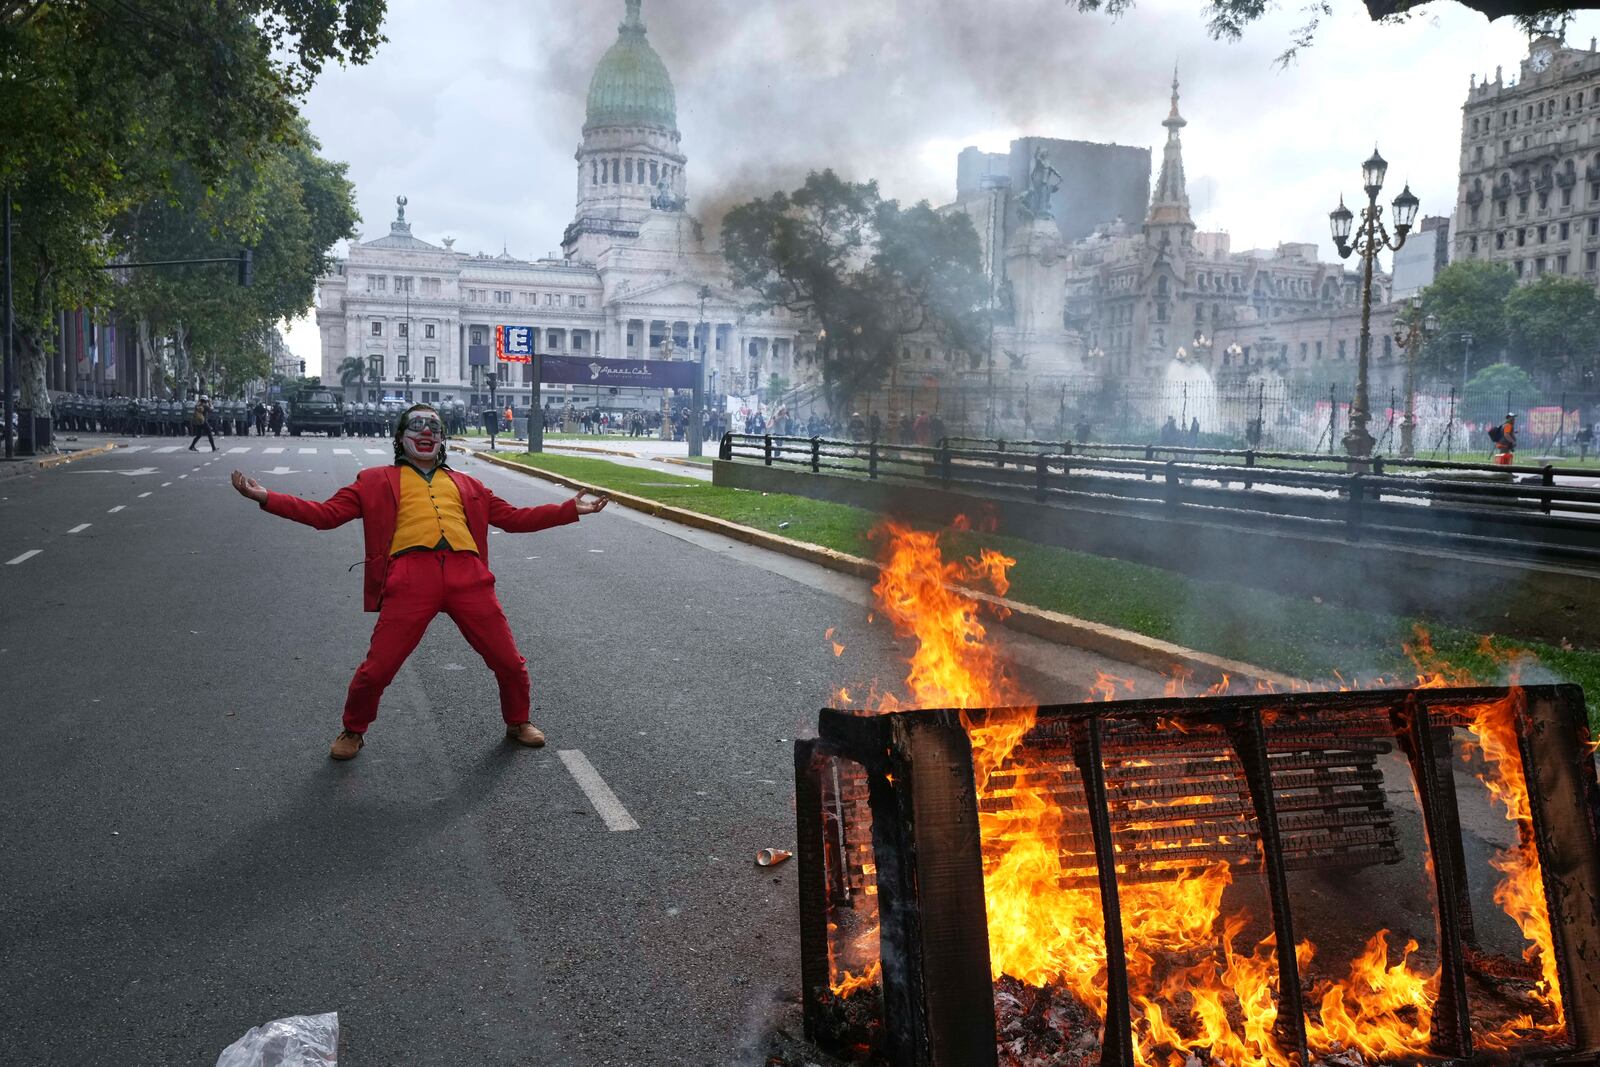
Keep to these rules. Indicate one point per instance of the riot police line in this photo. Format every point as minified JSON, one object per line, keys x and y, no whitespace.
{"x":147,"y":417}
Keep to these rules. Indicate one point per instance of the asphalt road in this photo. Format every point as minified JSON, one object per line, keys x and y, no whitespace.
{"x":182,"y":861}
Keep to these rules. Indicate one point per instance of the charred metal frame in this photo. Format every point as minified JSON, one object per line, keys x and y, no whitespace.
{"x":938,"y":1007}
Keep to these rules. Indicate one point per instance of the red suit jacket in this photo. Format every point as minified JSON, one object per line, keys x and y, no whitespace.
{"x":375,"y":497}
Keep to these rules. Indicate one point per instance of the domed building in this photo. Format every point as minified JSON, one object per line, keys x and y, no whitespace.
{"x":634,"y":279}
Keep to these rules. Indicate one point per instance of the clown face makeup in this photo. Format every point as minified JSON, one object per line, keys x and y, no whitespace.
{"x":422,"y":437}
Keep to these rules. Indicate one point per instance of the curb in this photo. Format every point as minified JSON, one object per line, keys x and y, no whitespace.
{"x":51,"y":462}
{"x":1123,"y":645}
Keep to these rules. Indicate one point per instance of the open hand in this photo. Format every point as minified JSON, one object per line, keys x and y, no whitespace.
{"x":584,"y":505}
{"x":249,"y":487}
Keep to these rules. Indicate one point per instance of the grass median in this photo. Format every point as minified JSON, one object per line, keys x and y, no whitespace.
{"x":1297,"y":636}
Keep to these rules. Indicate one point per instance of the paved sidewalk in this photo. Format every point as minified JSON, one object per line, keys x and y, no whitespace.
{"x":67,"y":447}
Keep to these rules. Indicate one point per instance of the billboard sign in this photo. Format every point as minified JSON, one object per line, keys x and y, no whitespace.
{"x":514,"y":344}
{"x":648,"y":373}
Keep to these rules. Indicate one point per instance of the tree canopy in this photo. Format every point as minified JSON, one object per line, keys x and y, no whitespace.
{"x":1549,"y":328}
{"x":869,"y":272}
{"x":1468,"y":300}
{"x":1227,"y":20}
{"x":107,"y":108}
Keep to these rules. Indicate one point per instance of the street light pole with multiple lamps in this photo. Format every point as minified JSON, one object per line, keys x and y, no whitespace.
{"x":1415,"y":332}
{"x":1369,"y":240}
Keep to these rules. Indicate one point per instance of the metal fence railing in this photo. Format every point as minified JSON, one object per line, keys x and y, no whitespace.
{"x":1268,"y":414}
{"x":1526,"y":512}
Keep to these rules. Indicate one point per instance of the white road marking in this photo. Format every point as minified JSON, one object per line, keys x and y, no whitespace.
{"x":82,"y":526}
{"x":165,"y":484}
{"x":181,"y":477}
{"x":605,"y":802}
{"x":25,"y":556}
{"x":341,"y":451}
{"x":375,"y":452}
{"x":169,"y":448}
{"x":231,"y":451}
{"x":135,"y":448}
{"x":143,"y":495}
{"x":280,"y":469}
{"x":116,"y":509}
{"x":308,"y":451}
{"x":272,"y":451}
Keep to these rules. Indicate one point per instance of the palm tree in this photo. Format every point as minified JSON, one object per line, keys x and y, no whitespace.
{"x":352,"y":372}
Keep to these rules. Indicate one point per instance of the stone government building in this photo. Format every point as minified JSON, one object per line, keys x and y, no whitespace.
{"x":1084,"y":296}
{"x":634,"y":280}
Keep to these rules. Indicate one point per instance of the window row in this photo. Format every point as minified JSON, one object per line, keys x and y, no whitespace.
{"x":401,"y":329}
{"x":1538,"y":111}
{"x":377,"y":372}
{"x":379,"y":283}
{"x":507,"y":296}
{"x":627,"y":170}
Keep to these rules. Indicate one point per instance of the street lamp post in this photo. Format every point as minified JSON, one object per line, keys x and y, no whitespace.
{"x":697,"y":415}
{"x":494,"y":405}
{"x":1418,"y":329}
{"x":1371,"y":239}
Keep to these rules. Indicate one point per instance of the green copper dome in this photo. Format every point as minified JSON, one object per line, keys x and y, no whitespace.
{"x":631,"y":86}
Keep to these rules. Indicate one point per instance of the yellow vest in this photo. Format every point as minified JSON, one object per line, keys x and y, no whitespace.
{"x":430,"y":512}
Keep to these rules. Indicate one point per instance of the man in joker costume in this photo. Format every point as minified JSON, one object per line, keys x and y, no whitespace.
{"x":427,"y":542}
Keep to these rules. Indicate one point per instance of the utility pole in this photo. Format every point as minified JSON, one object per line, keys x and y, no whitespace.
{"x":10,"y":411}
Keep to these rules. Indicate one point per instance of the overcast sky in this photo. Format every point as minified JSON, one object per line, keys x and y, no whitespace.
{"x":474,"y":108}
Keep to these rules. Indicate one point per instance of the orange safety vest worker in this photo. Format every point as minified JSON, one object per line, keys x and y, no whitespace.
{"x":1505,"y":441}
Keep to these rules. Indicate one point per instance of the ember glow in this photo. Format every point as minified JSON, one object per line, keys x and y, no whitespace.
{"x":1195,"y":988}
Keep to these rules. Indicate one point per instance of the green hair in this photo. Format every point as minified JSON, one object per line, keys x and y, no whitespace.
{"x":400,"y":432}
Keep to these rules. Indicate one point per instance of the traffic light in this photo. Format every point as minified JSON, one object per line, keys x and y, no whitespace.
{"x":302,"y":368}
{"x":247,"y":268}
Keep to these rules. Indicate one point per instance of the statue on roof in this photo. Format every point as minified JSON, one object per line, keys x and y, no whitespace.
{"x":401,"y":201}
{"x":1043,"y":182}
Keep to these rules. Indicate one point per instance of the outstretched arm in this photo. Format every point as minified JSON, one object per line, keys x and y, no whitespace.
{"x":527,"y":520}
{"x":323,"y":515}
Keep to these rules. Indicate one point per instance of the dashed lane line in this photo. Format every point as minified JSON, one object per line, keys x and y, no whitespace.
{"x":181,"y":477}
{"x":82,"y":526}
{"x":165,"y":484}
{"x":605,"y":802}
{"x":116,"y":509}
{"x":146,"y":493}
{"x":24,"y":557}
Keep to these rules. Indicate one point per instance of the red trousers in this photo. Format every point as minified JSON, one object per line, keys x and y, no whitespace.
{"x":419,"y":586}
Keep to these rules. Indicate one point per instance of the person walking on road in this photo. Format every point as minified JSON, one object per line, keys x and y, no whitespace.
{"x":426,"y":530}
{"x":276,"y":419}
{"x":202,"y":424}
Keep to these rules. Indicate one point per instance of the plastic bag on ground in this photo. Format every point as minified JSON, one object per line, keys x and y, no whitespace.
{"x":298,"y":1041}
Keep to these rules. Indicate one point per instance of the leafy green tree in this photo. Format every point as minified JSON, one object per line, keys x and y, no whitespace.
{"x":1554,"y":325}
{"x":290,"y":206}
{"x":1496,"y":386}
{"x":105,"y":106}
{"x":1468,"y":299}
{"x":868,"y":272}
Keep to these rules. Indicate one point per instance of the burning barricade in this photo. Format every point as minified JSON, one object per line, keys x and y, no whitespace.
{"x":986,"y":880}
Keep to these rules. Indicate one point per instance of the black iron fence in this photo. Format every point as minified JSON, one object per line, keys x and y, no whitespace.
{"x":1269,"y":413}
{"x":1537,"y":512}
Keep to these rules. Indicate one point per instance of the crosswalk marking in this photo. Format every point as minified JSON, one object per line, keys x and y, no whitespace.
{"x":231,"y":451}
{"x":169,"y":448}
{"x":341,"y":451}
{"x":374,"y":451}
{"x":272,"y":451}
{"x":308,"y":451}
{"x":24,"y":557}
{"x":135,"y":448}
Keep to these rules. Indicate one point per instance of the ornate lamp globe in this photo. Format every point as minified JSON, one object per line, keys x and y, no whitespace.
{"x":1372,"y":172}
{"x":1405,"y":210}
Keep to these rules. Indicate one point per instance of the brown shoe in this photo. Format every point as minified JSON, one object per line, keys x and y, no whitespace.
{"x":525,"y":733}
{"x":346,"y":745}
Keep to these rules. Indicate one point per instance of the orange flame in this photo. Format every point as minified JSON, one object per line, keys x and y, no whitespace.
{"x":1191,"y":987}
